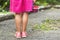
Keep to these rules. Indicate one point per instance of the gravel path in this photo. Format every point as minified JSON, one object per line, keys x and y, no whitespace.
{"x":7,"y":28}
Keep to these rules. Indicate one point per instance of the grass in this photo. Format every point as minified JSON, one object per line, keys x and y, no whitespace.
{"x":4,"y":12}
{"x":48,"y":25}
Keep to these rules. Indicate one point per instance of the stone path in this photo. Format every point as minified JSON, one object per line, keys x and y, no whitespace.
{"x":7,"y":28}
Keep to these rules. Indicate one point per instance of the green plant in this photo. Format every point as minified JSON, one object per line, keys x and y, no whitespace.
{"x":47,"y":25}
{"x":4,"y":5}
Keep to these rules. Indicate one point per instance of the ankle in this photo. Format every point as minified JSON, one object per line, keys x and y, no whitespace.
{"x":17,"y":31}
{"x":24,"y":31}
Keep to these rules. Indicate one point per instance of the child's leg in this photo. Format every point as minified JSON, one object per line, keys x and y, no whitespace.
{"x":25,"y":21}
{"x":18,"y":20}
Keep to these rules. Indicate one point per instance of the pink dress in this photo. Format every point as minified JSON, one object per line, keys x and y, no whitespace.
{"x":19,"y":6}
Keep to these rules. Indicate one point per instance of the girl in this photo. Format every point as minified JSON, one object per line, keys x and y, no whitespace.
{"x":21,"y":9}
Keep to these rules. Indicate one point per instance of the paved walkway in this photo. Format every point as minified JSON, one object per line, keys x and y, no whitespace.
{"x":7,"y":28}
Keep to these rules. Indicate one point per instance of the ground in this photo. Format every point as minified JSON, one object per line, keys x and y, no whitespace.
{"x":7,"y":27}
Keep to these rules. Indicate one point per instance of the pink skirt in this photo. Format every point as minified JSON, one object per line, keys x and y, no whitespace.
{"x":18,"y":6}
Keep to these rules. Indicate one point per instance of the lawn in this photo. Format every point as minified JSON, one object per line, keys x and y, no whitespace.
{"x":48,"y":25}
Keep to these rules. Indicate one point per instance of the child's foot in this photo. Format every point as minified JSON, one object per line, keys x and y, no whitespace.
{"x":18,"y":35}
{"x":24,"y":34}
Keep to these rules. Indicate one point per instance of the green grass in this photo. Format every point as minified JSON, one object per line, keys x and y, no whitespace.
{"x":48,"y":25}
{"x":4,"y":12}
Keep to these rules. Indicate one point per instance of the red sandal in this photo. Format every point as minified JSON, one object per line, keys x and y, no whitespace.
{"x":18,"y":35}
{"x":24,"y":34}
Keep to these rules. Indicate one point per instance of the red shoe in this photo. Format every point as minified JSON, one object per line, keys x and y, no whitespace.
{"x":24,"y":34}
{"x":18,"y":35}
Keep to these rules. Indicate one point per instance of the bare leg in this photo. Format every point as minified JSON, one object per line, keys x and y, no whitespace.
{"x":25,"y":21}
{"x":18,"y":20}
